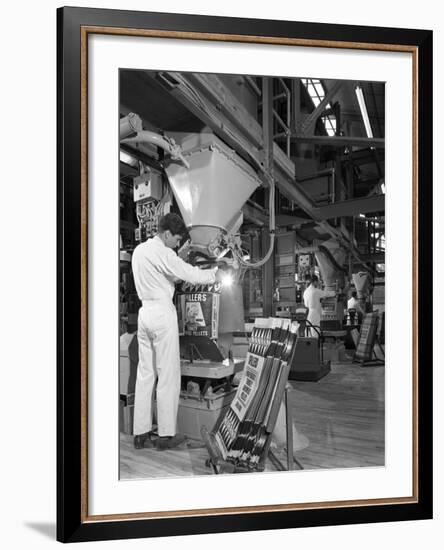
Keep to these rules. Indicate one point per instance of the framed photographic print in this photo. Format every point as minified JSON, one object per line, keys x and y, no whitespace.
{"x":244,"y":274}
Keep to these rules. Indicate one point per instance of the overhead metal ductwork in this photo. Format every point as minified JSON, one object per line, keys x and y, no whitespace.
{"x":132,"y":123}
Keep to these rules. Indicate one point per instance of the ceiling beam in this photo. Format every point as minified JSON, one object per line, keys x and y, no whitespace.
{"x":339,"y":141}
{"x":259,"y":216}
{"x":255,"y":213}
{"x":356,"y":116}
{"x":377,"y":257}
{"x":283,"y":220}
{"x":353,"y":207}
{"x":230,"y":121}
{"x":309,"y":123}
{"x":361,"y":156}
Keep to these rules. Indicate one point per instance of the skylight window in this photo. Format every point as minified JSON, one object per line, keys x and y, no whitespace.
{"x":330,"y":124}
{"x":319,"y":88}
{"x":316,"y":92}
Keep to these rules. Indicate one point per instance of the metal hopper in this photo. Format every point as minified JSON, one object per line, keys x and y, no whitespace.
{"x":211,"y":192}
{"x":361,"y":281}
{"x":330,"y":258}
{"x":210,"y":195}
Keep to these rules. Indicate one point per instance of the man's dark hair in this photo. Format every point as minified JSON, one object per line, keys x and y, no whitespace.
{"x":174,"y":223}
{"x":315,"y":279}
{"x":354,"y":294}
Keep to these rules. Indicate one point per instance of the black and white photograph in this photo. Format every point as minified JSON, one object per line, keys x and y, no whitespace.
{"x":244,"y":274}
{"x":252,"y":274}
{"x":222,"y":298}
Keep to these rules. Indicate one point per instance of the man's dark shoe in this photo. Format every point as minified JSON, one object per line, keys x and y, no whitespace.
{"x":143,"y":441}
{"x":169,"y":442}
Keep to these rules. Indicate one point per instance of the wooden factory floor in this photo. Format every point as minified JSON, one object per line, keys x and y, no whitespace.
{"x":342,"y":416}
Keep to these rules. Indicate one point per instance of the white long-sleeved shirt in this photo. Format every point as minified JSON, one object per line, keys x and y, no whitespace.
{"x":312,"y":300}
{"x":156,"y":268}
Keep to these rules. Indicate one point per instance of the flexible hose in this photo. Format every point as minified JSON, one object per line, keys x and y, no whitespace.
{"x":272,"y":226}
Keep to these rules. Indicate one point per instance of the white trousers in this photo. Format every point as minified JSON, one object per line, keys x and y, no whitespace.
{"x":314,"y":316}
{"x":159,"y":358}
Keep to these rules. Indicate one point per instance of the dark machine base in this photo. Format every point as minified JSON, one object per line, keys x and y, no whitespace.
{"x":307,"y":361}
{"x":309,"y":372}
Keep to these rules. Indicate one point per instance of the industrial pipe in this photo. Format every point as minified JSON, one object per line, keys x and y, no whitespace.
{"x":130,"y":124}
{"x":272,"y":219}
{"x":165,"y":143}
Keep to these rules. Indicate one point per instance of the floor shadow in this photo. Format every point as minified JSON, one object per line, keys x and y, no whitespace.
{"x":48,"y":530}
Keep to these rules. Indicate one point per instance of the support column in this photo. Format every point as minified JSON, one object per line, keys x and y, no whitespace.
{"x":267,"y":129}
{"x":267,"y":276}
{"x":295,"y":106}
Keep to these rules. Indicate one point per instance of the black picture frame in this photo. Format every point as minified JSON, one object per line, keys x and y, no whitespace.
{"x":73,"y":523}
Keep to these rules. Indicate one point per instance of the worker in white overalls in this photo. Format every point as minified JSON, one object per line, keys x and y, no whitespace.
{"x":156,"y":268}
{"x":312,"y":300}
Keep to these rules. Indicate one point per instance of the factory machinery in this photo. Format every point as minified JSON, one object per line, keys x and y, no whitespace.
{"x":318,"y":346}
{"x":210,"y":184}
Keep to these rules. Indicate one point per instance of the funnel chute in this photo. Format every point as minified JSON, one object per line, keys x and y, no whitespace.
{"x":211,"y":192}
{"x":361,"y":281}
{"x":330,"y":258}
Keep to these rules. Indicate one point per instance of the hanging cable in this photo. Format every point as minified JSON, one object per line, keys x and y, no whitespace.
{"x":272,"y":226}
